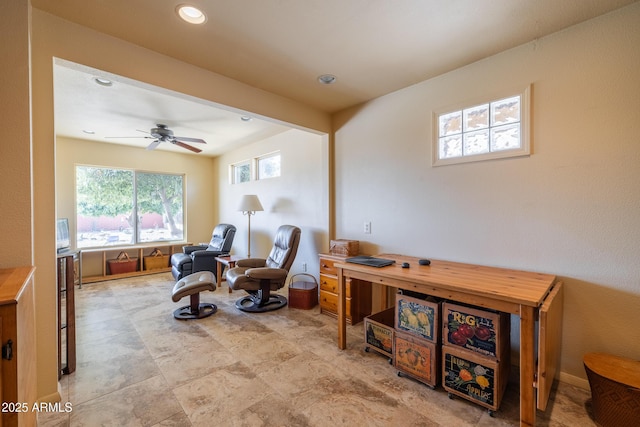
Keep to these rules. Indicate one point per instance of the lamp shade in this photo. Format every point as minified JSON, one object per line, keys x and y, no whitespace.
{"x":250,"y":203}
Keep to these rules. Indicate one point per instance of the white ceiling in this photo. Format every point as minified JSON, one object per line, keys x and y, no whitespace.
{"x":373,"y":47}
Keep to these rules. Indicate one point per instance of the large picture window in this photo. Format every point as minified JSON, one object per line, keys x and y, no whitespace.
{"x":116,"y":207}
{"x":487,"y":130}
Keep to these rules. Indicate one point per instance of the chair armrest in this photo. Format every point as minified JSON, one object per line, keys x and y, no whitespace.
{"x":203,"y":261}
{"x":267,"y":273}
{"x":189,"y":249}
{"x":251,"y":262}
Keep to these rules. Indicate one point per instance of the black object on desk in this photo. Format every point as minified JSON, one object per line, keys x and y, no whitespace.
{"x":370,"y":261}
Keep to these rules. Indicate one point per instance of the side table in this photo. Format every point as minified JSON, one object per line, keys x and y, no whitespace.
{"x":221,"y":263}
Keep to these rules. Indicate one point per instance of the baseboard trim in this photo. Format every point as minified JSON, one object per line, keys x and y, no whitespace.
{"x":573,"y":380}
{"x":52,"y":398}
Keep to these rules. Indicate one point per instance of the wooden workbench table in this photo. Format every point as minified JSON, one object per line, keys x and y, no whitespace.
{"x":531,"y":296}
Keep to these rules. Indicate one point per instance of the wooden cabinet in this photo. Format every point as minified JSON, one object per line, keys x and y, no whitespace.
{"x":94,"y":261}
{"x":18,"y":336}
{"x":358,"y":294}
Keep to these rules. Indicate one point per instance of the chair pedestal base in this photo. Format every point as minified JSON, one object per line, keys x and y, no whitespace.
{"x":201,"y":311}
{"x":254,"y":303}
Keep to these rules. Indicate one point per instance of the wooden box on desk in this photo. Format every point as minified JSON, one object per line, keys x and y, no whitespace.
{"x":419,"y":316}
{"x":344,"y":247}
{"x":474,"y":377}
{"x":379,"y":332}
{"x":484,"y":331}
{"x":416,"y":358}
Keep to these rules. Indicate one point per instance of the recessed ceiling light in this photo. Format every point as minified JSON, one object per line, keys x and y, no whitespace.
{"x":191,"y":14}
{"x":327,"y":79}
{"x":103,"y":82}
{"x":245,"y":118}
{"x":90,"y":132}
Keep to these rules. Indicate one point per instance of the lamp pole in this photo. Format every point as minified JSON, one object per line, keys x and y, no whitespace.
{"x":249,"y":205}
{"x":248,"y":214}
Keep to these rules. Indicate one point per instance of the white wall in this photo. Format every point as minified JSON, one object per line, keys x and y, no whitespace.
{"x":572,"y":208}
{"x":298,"y":197}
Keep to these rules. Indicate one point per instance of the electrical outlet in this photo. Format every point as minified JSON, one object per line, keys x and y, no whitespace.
{"x":367,"y":227}
{"x":304,"y":267}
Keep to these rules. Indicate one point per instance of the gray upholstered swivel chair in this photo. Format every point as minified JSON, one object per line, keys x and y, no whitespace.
{"x":260,"y":276}
{"x":202,"y":257}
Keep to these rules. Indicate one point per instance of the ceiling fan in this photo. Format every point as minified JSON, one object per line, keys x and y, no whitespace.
{"x":162,"y":133}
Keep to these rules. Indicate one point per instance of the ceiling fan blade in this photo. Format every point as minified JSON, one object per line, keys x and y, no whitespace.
{"x":188,"y":147}
{"x":153,"y":145}
{"x":148,"y":137}
{"x":181,"y":138}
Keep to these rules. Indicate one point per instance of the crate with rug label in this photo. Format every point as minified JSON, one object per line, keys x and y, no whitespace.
{"x":378,"y":332}
{"x":416,"y":358}
{"x":474,"y":377}
{"x":483,"y":331}
{"x":419,"y":315}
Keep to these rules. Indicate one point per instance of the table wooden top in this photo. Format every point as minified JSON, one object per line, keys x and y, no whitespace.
{"x":226,"y":259}
{"x":515,"y":286}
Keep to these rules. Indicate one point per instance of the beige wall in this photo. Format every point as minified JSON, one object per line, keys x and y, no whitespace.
{"x":572,"y":208}
{"x":56,"y":38}
{"x":200,"y":175}
{"x":15,"y":149}
{"x":298,"y":197}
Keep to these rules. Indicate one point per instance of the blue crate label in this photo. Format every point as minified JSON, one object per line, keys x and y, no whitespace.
{"x":380,"y":337}
{"x":474,"y":333}
{"x":416,"y":318}
{"x":470,"y":378}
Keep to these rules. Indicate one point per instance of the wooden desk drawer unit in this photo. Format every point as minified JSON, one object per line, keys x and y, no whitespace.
{"x":358,"y":294}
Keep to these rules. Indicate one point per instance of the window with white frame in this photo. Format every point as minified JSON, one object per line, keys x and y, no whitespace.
{"x":482,"y":131}
{"x":268,"y":166}
{"x":240,"y":172}
{"x":262,"y":167}
{"x":117,"y":207}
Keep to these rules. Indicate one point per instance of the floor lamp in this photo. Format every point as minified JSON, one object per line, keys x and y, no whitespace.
{"x":249,"y":205}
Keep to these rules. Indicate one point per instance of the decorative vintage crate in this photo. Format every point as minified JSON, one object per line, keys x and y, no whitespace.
{"x":156,"y":261}
{"x":122,"y":264}
{"x":418,"y":316}
{"x":472,"y":376}
{"x":303,"y":294}
{"x":344,"y":247}
{"x":378,"y":332}
{"x":483,"y":331}
{"x":417,"y":358}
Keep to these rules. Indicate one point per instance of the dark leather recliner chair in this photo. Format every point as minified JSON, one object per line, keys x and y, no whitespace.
{"x":260,"y":276}
{"x":202,"y":257}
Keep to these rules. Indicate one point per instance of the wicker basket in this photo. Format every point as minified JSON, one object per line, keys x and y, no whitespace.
{"x":122,"y":264}
{"x":303,"y":295}
{"x":615,"y":389}
{"x":156,"y":261}
{"x":344,"y":247}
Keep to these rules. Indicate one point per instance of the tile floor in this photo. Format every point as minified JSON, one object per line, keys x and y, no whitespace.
{"x":138,"y":366}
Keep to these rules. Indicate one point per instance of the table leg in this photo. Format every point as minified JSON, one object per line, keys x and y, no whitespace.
{"x":342,"y":310}
{"x":527,"y":367}
{"x":219,"y":270}
{"x":232,"y":264}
